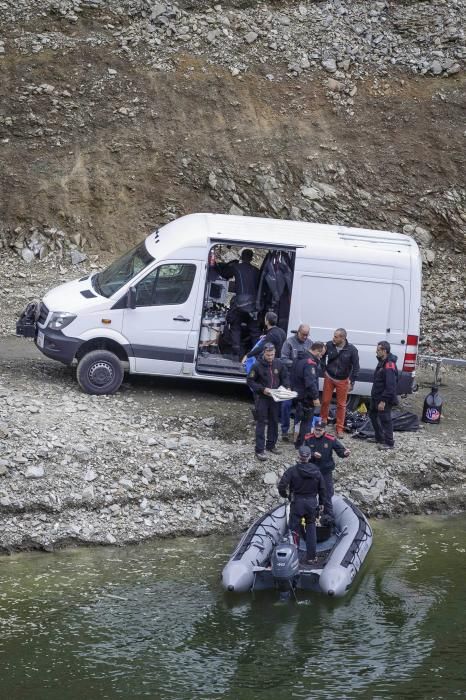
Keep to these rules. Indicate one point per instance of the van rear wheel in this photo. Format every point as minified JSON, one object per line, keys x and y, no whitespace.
{"x":100,"y":372}
{"x":353,"y":402}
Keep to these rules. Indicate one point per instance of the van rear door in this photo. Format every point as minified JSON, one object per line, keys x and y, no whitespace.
{"x":159,"y":328}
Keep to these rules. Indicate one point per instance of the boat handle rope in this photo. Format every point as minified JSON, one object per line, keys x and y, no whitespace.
{"x":358,"y":541}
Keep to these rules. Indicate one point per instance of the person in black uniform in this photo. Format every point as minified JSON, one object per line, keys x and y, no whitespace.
{"x":244,"y":310}
{"x":303,"y":484}
{"x":322,"y":446}
{"x":305,"y":381}
{"x":383,"y":396}
{"x":273,"y":334}
{"x":267,"y":373}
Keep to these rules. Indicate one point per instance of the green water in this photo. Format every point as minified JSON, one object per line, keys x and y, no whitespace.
{"x":152,"y":621}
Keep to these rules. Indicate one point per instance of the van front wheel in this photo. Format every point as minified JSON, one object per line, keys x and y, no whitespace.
{"x":100,"y":372}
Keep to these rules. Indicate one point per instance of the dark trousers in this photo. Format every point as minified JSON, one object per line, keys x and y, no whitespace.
{"x":305,"y":508}
{"x":382,"y":422}
{"x":267,"y":419}
{"x":304,"y":415}
{"x":285,"y":415}
{"x":237,"y":318}
{"x":328,"y":480}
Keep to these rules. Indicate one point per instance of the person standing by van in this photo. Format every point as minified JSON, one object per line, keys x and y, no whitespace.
{"x":383,"y":396}
{"x":305,"y":381}
{"x":267,"y":373}
{"x":246,"y":277}
{"x":297,"y":343}
{"x":273,"y":334}
{"x":341,"y":363}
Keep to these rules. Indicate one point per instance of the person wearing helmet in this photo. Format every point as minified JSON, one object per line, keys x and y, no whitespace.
{"x":304,"y":485}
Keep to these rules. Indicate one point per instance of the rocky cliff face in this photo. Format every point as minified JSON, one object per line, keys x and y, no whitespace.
{"x":117,"y":116}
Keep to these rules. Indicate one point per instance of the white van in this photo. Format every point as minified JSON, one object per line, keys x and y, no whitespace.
{"x":162,"y":308}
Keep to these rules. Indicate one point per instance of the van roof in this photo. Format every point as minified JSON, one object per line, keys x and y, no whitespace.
{"x":196,"y":230}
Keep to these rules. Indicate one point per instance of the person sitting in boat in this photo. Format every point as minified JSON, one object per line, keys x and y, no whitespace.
{"x":304,"y":485}
{"x":322,"y":445}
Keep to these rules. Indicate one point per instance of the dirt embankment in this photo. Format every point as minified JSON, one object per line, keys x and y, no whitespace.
{"x":115,"y":118}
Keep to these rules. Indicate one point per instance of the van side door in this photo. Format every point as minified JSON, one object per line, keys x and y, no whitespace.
{"x":159,"y":328}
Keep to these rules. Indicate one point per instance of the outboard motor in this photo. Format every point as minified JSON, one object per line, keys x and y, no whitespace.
{"x":285,"y":568}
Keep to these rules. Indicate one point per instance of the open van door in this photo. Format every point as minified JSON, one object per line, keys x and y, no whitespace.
{"x":163,"y":316}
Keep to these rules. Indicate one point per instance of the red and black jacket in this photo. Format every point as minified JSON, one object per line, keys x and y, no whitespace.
{"x":325,"y":445}
{"x":305,"y":377}
{"x":385,"y":380}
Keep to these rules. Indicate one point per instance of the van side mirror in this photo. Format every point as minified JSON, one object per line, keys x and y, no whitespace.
{"x":131,"y":299}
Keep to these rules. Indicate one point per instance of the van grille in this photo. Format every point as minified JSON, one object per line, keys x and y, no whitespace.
{"x":43,"y":313}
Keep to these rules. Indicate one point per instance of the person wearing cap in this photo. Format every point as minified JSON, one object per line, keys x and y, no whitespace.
{"x":322,"y":445}
{"x":341,"y":362}
{"x":244,"y":309}
{"x":305,"y":381}
{"x":266,"y":373}
{"x":304,"y":485}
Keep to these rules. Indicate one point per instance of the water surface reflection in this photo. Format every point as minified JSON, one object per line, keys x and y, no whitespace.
{"x":152,"y":621}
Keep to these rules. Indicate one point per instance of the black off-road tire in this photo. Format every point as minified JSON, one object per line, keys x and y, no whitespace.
{"x":100,"y":372}
{"x":353,"y":402}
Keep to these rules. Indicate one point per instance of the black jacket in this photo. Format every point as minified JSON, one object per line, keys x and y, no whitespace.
{"x":265,"y":375}
{"x":305,"y":377}
{"x":385,"y":380}
{"x":246,"y":277}
{"x":275,"y":278}
{"x":343,"y":364}
{"x":325,"y":444}
{"x":303,"y":480}
{"x":274,"y":335}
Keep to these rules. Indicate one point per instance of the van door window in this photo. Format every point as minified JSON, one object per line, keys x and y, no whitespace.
{"x":167,"y":284}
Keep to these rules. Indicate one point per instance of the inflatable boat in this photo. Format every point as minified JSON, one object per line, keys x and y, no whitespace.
{"x":266,"y":556}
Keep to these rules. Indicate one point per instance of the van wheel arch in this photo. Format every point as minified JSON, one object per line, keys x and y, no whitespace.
{"x":102,"y":344}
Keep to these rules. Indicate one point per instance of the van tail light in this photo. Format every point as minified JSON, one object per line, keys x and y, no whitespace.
{"x":409,"y":364}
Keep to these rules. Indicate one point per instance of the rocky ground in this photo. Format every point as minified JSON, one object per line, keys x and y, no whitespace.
{"x":118,"y":115}
{"x":168,"y":457}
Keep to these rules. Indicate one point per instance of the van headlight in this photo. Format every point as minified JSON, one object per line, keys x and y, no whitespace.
{"x":60,"y":319}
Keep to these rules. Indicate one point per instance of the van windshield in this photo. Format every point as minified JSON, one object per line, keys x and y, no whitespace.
{"x":116,"y":275}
